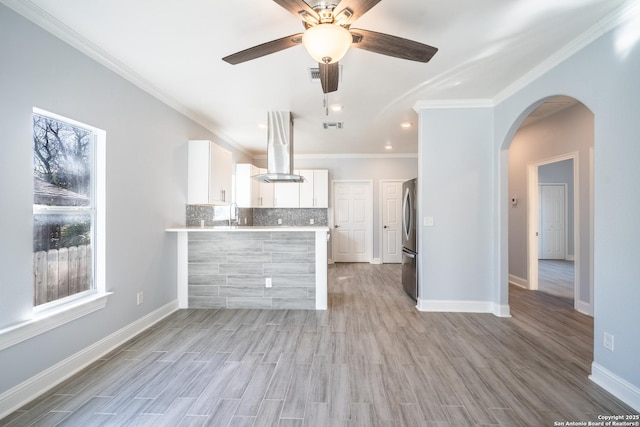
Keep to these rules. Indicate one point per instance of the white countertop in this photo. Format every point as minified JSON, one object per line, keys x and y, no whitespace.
{"x":219,"y":228}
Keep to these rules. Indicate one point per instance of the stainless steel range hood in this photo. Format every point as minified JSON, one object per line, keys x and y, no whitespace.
{"x":279,"y":149}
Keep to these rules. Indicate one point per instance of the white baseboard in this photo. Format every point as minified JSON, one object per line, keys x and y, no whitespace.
{"x":28,"y":390}
{"x":464,"y":307}
{"x":519,"y":281}
{"x":615,"y":385}
{"x":570,"y":258}
{"x":376,"y":261}
{"x":502,"y":310}
{"x":585,"y":308}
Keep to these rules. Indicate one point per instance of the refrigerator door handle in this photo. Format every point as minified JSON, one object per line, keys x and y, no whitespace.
{"x":409,"y":254}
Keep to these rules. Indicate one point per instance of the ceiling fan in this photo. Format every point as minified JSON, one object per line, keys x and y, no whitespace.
{"x":328,"y":35}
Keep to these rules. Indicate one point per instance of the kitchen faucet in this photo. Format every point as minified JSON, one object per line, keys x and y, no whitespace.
{"x":233,"y":212}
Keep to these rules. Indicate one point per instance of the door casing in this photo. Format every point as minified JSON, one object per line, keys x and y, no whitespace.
{"x":533,"y":221}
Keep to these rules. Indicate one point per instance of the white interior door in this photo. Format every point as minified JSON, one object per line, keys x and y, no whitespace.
{"x":353,"y":233}
{"x":552,"y":202}
{"x":391,"y":221}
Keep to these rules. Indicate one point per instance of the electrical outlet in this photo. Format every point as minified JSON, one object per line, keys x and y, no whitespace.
{"x":279,"y":221}
{"x":607,"y":341}
{"x":267,"y":282}
{"x":311,"y":221}
{"x":140,"y":297}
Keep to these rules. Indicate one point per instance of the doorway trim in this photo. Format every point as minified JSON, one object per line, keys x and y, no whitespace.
{"x":533,"y":204}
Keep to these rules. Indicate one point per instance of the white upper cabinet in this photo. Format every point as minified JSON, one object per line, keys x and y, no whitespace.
{"x":247,"y":189}
{"x":314,"y":192}
{"x":265,"y":194}
{"x":286,"y":195}
{"x":249,"y":192}
{"x":209,"y":173}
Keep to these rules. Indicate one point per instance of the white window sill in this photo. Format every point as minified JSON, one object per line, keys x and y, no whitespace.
{"x":50,"y":319}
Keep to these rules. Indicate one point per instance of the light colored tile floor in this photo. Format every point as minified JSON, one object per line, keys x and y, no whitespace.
{"x":371,"y":359}
{"x":556,"y":277}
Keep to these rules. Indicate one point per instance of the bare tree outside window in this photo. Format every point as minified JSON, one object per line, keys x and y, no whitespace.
{"x":63,"y":208}
{"x":61,"y":158}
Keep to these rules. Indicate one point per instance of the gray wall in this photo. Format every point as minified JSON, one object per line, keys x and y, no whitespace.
{"x":570,"y":131}
{"x":610,"y":91}
{"x":146,"y":188}
{"x":451,"y":183}
{"x":455,"y":175}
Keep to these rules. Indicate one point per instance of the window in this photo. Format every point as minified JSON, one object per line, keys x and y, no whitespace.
{"x":65,"y":208}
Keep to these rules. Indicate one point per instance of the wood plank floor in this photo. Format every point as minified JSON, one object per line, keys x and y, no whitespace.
{"x":371,"y":359}
{"x":556,"y":277}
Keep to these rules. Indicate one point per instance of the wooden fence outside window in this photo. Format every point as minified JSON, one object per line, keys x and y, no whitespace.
{"x":59,"y":273}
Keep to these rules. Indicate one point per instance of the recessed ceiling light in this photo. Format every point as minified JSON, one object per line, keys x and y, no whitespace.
{"x":336,"y":107}
{"x":405,"y":125}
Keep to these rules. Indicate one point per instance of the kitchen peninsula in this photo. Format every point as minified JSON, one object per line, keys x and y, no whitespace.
{"x":261,"y":267}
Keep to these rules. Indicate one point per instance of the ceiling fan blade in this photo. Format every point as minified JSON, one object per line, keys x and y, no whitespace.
{"x":352,"y":10}
{"x":300,"y":10}
{"x":389,"y":45}
{"x":329,"y":77}
{"x":264,"y":49}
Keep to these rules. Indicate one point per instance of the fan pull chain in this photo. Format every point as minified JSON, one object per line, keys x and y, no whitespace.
{"x":326,"y":85}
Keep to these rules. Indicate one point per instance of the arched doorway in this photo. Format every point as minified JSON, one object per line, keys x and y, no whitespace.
{"x":552,"y":130}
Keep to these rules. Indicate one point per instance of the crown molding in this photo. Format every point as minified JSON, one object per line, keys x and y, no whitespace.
{"x":347,"y":156}
{"x":29,"y":10}
{"x":608,"y":23}
{"x":604,"y":25}
{"x":439,"y":104}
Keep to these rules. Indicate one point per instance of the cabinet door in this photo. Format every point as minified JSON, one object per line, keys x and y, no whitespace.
{"x":220,"y":175}
{"x":306,"y":188}
{"x":255,"y":188}
{"x":266,"y":193}
{"x":321,"y":188}
{"x":198,"y":172}
{"x":243,"y":187}
{"x":286,"y":195}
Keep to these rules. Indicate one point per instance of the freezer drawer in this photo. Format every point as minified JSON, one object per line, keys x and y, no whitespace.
{"x":410,"y":273}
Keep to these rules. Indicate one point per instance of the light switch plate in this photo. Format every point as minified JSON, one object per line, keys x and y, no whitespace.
{"x":428,"y":221}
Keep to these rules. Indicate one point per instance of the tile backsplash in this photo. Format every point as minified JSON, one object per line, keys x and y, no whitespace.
{"x":295,"y":217}
{"x":210,"y":215}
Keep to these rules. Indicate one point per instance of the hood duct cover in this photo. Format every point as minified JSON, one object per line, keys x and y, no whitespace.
{"x":279,"y":149}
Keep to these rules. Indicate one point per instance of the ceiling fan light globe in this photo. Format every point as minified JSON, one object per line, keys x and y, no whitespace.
{"x":327,"y":43}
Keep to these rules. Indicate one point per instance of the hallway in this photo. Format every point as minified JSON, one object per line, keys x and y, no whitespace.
{"x":556,"y":277}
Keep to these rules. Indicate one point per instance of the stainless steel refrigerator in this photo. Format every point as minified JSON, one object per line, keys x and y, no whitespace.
{"x":409,"y":238}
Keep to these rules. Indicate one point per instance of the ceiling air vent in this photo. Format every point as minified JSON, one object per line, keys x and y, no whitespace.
{"x":314,"y":74}
{"x":332,"y":125}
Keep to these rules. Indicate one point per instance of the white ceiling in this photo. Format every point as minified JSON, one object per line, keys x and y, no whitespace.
{"x":174,"y":48}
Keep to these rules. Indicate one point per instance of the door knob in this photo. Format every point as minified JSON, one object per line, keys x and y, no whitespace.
{"x":385,"y":226}
{"x":336,"y":226}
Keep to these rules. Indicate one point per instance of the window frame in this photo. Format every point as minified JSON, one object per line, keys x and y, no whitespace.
{"x":48,"y":316}
{"x":71,"y":307}
{"x":95,"y":211}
